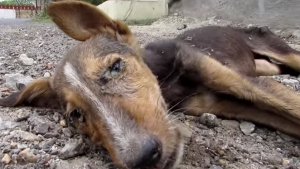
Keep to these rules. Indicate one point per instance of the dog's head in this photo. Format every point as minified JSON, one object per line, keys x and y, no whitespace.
{"x":106,"y":90}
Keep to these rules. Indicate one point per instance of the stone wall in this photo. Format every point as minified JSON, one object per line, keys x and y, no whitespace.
{"x":275,"y":13}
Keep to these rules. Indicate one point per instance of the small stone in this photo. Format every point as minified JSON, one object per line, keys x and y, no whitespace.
{"x":7,"y":125}
{"x":54,"y":151}
{"x":6,"y":149}
{"x":273,"y":159}
{"x":183,"y":26}
{"x":285,"y":161}
{"x":296,"y":33}
{"x":49,"y":65}
{"x":51,"y":135}
{"x":15,"y":151}
{"x":287,"y":137}
{"x":56,"y":117}
{"x":290,"y":82}
{"x":247,"y":127}
{"x":67,"y":132}
{"x":26,"y":156}
{"x":215,"y":167}
{"x":6,"y":159}
{"x":26,"y":135}
{"x":47,"y":74}
{"x":72,"y":148}
{"x":26,"y":60}
{"x":47,"y":144}
{"x":63,"y":123}
{"x":12,"y":80}
{"x":210,"y":120}
{"x":230,"y":123}
{"x":41,"y":128}
{"x":22,"y":115}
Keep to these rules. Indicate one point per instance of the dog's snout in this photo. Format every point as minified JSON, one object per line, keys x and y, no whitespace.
{"x":151,"y":154}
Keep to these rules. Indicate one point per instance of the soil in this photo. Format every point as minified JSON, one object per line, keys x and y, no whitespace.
{"x":39,"y":138}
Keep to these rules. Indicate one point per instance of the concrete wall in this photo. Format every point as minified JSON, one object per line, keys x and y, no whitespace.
{"x":135,"y":9}
{"x":7,"y":13}
{"x":275,"y":13}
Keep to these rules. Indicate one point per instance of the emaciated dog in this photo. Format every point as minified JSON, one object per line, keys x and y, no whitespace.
{"x":120,"y":95}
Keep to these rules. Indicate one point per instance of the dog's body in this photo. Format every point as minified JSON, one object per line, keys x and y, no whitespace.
{"x":215,"y":89}
{"x":107,"y":85}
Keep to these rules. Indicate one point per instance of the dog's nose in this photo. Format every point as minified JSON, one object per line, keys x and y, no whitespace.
{"x":151,"y":154}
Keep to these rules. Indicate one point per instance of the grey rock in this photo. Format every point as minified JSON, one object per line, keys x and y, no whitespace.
{"x":215,"y":167}
{"x":247,"y":127}
{"x":26,"y":135}
{"x":67,"y":132}
{"x":45,"y":145}
{"x":22,"y":114}
{"x":26,"y":60}
{"x":41,"y":128}
{"x":230,"y":123}
{"x":73,"y":148}
{"x":11,"y":80}
{"x":290,"y":82}
{"x":51,"y":135}
{"x":26,"y":156}
{"x":210,"y":120}
{"x":296,"y":33}
{"x":7,"y":125}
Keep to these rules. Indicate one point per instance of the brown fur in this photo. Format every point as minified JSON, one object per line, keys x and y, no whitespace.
{"x":209,"y":69}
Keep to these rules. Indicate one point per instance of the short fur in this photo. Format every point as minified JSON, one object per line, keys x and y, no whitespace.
{"x":124,"y":108}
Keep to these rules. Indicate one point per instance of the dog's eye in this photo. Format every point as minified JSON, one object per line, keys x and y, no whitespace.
{"x":116,"y":68}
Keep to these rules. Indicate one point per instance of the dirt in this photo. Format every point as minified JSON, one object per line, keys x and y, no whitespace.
{"x":39,"y":138}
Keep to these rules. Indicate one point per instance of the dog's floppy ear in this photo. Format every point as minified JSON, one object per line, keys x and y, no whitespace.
{"x":37,"y":94}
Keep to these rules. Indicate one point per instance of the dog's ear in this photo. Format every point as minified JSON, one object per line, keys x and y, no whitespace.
{"x":81,"y":21}
{"x":37,"y":94}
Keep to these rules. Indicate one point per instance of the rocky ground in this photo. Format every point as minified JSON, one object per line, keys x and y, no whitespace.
{"x":38,"y":138}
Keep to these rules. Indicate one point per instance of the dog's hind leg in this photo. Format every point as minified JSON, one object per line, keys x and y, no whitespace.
{"x":264,"y":93}
{"x":232,"y":108}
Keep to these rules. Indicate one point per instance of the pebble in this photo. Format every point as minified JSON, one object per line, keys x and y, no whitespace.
{"x":296,"y":33}
{"x":41,"y":128}
{"x":210,"y":120}
{"x":247,"y":127}
{"x":290,"y":82}
{"x":285,"y":161}
{"x":26,"y":156}
{"x":22,"y":115}
{"x":26,"y":60}
{"x":72,"y":148}
{"x":63,"y":123}
{"x":6,"y":159}
{"x":26,"y":135}
{"x":287,"y":137}
{"x":45,"y":145}
{"x":51,"y":135}
{"x":7,"y":125}
{"x":67,"y":132}
{"x":11,"y":80}
{"x":215,"y":167}
{"x":230,"y":123}
{"x":47,"y":74}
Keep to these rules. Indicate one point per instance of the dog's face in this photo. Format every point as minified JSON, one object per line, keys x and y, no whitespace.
{"x":106,"y":90}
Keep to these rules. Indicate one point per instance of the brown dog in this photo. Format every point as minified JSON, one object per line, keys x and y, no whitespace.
{"x":120,"y":95}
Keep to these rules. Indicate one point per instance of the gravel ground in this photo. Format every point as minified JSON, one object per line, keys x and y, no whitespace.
{"x":38,"y":138}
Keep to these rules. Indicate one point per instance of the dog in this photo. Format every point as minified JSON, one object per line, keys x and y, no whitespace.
{"x":121,"y":96}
